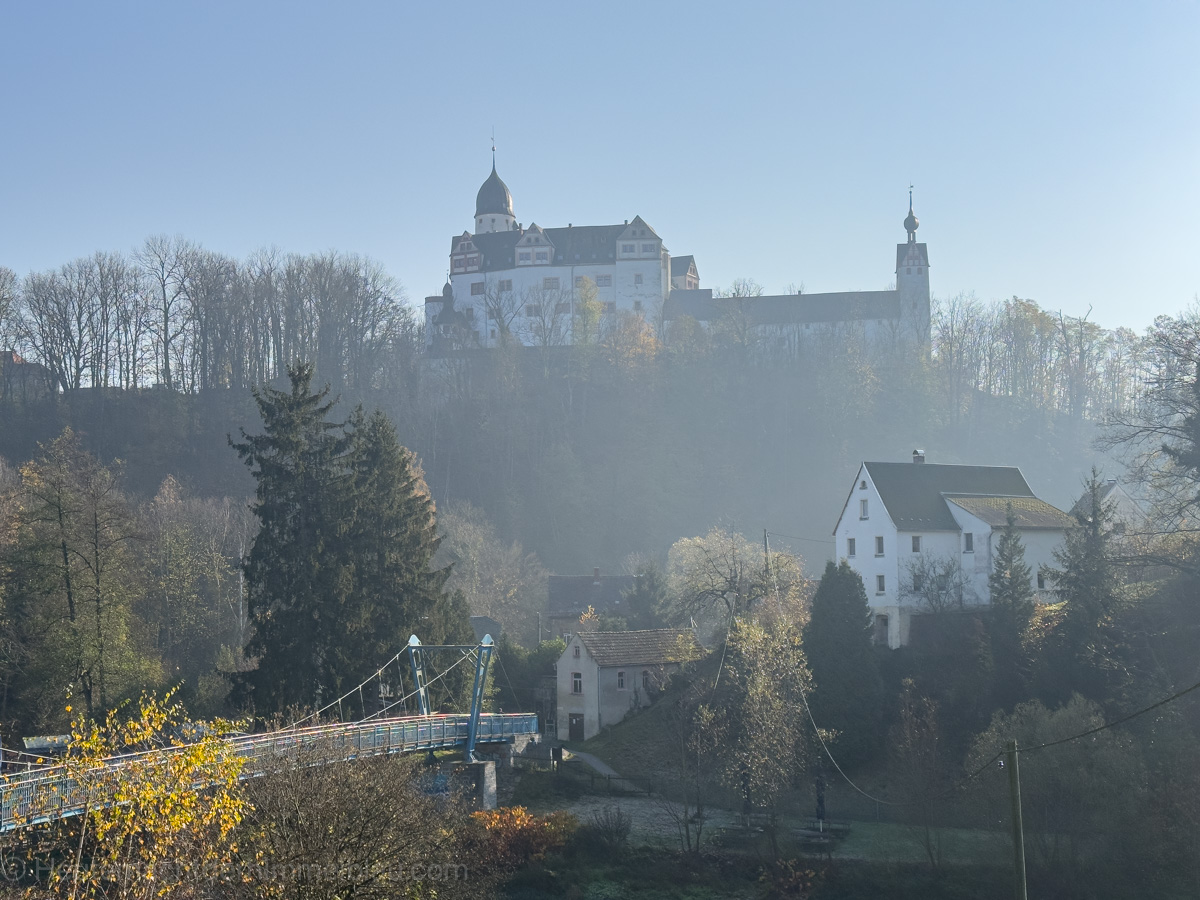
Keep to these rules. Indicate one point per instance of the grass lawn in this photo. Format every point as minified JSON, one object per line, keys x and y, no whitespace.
{"x":881,"y":842}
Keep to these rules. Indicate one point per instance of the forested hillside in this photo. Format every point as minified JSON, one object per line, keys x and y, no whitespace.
{"x":583,"y":455}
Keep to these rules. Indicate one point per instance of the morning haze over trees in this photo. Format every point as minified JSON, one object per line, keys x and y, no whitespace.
{"x":245,"y":478}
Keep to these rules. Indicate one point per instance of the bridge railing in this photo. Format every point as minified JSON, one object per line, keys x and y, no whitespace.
{"x":43,"y":795}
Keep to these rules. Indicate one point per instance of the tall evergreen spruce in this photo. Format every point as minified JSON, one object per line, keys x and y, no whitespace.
{"x":392,"y":539}
{"x":339,"y":573}
{"x":848,"y":691}
{"x":1089,"y":655}
{"x":1012,"y":604}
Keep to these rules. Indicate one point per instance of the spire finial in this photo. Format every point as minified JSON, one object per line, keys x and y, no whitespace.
{"x":910,"y":189}
{"x":493,"y":146}
{"x":910,"y":221}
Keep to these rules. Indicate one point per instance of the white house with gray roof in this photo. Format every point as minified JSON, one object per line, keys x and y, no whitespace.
{"x":603,"y":675}
{"x":902,"y":520}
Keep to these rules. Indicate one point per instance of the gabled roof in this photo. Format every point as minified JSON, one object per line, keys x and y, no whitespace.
{"x":782,"y":309}
{"x":680,"y":265}
{"x":915,"y":495}
{"x":922,"y":254}
{"x":1028,"y":512}
{"x":571,"y":595}
{"x":641,"y":648}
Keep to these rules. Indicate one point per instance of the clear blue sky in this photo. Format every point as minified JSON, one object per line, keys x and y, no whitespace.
{"x":1055,"y":147}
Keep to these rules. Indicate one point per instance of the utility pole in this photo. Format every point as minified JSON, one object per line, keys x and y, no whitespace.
{"x":1018,"y":828}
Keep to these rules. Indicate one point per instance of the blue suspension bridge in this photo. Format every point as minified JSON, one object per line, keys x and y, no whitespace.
{"x":45,"y":794}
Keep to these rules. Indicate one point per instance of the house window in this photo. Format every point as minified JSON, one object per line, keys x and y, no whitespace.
{"x":542,"y":256}
{"x":576,"y":682}
{"x":576,"y":653}
{"x":968,"y":542}
{"x":620,"y":681}
{"x":1041,"y":581}
{"x":645,"y":679}
{"x":879,"y":545}
{"x":603,"y":281}
{"x":523,"y":256}
{"x":476,"y":288}
{"x":627,"y":248}
{"x":533,"y":309}
{"x":506,"y":285}
{"x":549,"y":284}
{"x":648,"y":248}
{"x":916,"y":543}
{"x":637,"y":278}
{"x":562,"y":308}
{"x":862,"y":508}
{"x":637,"y":305}
{"x":880,"y":584}
{"x":850,"y":546}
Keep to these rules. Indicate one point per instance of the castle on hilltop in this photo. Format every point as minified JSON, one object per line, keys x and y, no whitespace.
{"x":514,"y":284}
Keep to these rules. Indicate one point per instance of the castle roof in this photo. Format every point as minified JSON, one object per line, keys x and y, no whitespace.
{"x":493,"y":198}
{"x":783,"y":309}
{"x":681,"y":264}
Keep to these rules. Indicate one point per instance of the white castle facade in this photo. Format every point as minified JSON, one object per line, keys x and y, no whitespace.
{"x":539,"y":286}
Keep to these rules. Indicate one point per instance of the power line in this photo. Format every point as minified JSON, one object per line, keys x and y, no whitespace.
{"x":1113,"y":724}
{"x":793,"y":537}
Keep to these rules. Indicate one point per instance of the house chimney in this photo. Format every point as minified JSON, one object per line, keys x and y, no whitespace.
{"x":919,"y":457}
{"x":596,"y":573}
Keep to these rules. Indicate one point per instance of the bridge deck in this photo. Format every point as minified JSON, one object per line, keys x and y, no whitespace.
{"x":43,"y":795}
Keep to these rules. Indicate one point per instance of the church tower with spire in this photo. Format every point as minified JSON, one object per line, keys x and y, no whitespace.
{"x":912,"y":279}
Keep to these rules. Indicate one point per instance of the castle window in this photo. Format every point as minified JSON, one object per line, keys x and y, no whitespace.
{"x":576,"y":649}
{"x":562,"y":308}
{"x":908,"y":271}
{"x":542,"y":256}
{"x":1041,"y":582}
{"x":879,"y":545}
{"x":637,"y":305}
{"x":505,"y":285}
{"x":476,"y":288}
{"x":620,"y":681}
{"x":637,"y":278}
{"x":916,"y":543}
{"x":968,"y":542}
{"x":458,"y":263}
{"x":470,"y":311}
{"x":576,"y":682}
{"x":578,"y":281}
{"x":533,"y":310}
{"x":549,"y":284}
{"x":603,"y":281}
{"x":862,"y":485}
{"x":628,"y":248}
{"x":880,"y":584}
{"x":920,"y":271}
{"x":647,"y":248}
{"x":863,"y":509}
{"x":850,"y":542}
{"x":610,"y":308}
{"x":523,"y":256}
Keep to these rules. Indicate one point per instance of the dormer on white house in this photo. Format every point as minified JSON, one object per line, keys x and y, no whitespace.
{"x":902,"y":520}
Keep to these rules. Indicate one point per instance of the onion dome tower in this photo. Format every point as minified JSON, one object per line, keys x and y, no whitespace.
{"x":493,"y":204}
{"x":911,"y":223}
